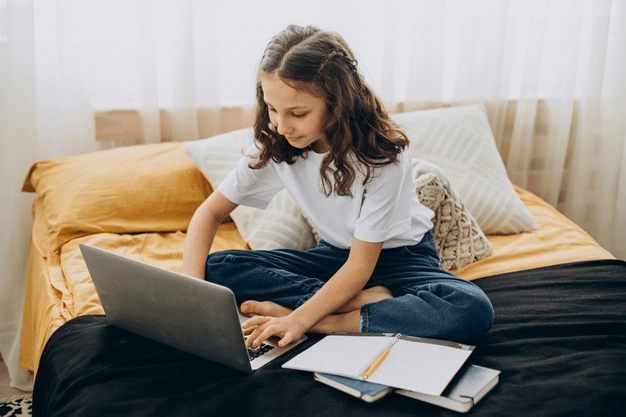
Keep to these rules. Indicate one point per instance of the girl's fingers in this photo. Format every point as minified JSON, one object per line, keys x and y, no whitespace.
{"x":255,"y":321}
{"x":285,"y":340}
{"x":252,"y":324}
{"x":265,"y":333}
{"x":259,"y":330}
{"x":252,"y":338}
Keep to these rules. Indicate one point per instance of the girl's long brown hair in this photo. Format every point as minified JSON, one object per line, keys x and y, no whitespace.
{"x":357,"y":124}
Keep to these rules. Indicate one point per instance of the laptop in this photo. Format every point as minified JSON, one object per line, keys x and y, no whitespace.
{"x":172,"y":308}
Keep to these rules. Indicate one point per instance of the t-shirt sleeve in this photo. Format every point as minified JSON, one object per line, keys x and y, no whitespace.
{"x":251,"y":187}
{"x":386,"y":206}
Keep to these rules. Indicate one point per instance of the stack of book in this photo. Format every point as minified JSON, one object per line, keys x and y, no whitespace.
{"x":371,"y":365}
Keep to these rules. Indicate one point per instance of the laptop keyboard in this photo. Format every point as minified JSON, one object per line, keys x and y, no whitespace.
{"x":256,"y":351}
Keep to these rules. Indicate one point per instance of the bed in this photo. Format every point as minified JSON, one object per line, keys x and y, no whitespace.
{"x":559,"y":337}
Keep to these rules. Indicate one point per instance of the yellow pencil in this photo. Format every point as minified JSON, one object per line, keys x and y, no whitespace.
{"x":377,"y":363}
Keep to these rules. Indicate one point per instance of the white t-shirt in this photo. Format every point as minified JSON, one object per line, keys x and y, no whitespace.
{"x":386,"y":209}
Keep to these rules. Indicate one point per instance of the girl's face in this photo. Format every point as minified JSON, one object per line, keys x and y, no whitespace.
{"x":296,"y":114}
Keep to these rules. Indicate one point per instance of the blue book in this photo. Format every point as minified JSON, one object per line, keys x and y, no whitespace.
{"x":367,"y":391}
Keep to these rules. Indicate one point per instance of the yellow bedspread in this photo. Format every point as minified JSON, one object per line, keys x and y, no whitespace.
{"x":59,"y":288}
{"x":559,"y":240}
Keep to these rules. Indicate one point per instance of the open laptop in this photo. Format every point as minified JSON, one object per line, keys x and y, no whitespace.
{"x":189,"y":314}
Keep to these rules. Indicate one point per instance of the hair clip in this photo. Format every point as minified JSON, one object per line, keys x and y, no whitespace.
{"x":352,"y":65}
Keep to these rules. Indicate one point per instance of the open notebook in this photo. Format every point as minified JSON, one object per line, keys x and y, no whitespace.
{"x":411,"y":363}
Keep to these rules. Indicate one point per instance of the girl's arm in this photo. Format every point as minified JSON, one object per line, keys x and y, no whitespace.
{"x":341,"y":288}
{"x":201,"y":232}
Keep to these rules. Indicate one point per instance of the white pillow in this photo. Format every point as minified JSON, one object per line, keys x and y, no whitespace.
{"x":280,"y":225}
{"x":459,"y":140}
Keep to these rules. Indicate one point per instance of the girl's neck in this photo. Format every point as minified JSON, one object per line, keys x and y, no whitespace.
{"x":320,"y":146}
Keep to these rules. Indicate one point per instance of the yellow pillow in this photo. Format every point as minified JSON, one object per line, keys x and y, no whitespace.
{"x":145,"y":188}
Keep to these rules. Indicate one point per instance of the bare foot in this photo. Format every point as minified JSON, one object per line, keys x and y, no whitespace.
{"x":342,"y":322}
{"x":368,"y":296}
{"x":253,"y":308}
{"x":346,"y":319}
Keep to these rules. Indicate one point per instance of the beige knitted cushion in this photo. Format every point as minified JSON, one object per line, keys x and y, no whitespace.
{"x":458,"y":238}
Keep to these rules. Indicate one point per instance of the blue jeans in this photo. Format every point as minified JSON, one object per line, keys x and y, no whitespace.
{"x":427,"y":302}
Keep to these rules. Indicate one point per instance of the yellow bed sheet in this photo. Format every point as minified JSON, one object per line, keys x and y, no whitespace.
{"x":559,"y":240}
{"x":59,"y":287}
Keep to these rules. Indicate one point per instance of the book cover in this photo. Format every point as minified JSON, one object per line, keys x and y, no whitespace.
{"x":468,"y":387}
{"x":367,"y":391}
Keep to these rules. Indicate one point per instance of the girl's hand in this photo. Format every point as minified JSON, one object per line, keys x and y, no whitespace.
{"x":287,"y":328}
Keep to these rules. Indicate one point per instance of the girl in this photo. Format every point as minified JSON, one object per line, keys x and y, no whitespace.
{"x":323,"y":134}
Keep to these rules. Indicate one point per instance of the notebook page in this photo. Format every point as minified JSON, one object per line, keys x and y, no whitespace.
{"x":420,"y":366}
{"x":344,"y":355}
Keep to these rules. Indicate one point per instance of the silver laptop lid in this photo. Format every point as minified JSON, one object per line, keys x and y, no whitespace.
{"x":189,"y":314}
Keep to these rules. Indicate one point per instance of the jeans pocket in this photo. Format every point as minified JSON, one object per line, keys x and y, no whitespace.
{"x":425,"y":250}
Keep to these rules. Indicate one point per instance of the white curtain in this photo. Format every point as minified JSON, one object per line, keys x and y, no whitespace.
{"x":550,"y":71}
